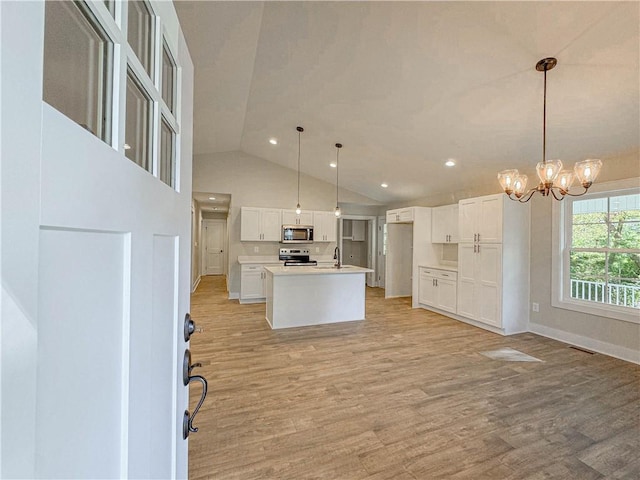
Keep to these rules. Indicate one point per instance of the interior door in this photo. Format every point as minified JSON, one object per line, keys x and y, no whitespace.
{"x":214,"y":233}
{"x":107,"y":285}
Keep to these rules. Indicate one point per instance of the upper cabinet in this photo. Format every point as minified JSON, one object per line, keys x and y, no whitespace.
{"x":480,"y":219}
{"x":260,"y":224}
{"x":444,"y":224}
{"x":400,"y":215}
{"x":290,"y":217}
{"x":324,"y":227}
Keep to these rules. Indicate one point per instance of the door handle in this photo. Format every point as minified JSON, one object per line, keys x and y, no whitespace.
{"x":187,"y":378}
{"x":189,"y":327}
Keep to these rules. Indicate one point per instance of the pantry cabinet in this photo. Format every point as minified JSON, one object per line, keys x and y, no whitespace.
{"x":493,"y":263}
{"x":260,"y":224}
{"x":324,"y":229}
{"x":444,"y":224}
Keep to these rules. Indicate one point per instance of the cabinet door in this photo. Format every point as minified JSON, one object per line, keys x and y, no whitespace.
{"x":489,"y":275}
{"x":467,"y":289}
{"x":427,"y":289}
{"x":392,"y":216}
{"x":271,"y":224}
{"x":305,"y":218}
{"x":468,"y":219}
{"x":289,"y":217}
{"x":452,"y":222}
{"x":250,"y":228}
{"x":439,"y":222}
{"x":324,"y":227}
{"x":330,"y":227}
{"x":447,"y":295}
{"x":406,"y":215}
{"x":490,"y":218}
{"x":358,"y":230}
{"x":252,"y":282}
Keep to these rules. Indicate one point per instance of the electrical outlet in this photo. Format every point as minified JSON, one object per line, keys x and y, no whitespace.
{"x":535,"y":307}
{"x":256,"y":249}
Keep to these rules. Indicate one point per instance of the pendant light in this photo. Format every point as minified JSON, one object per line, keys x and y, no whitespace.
{"x":298,"y":209}
{"x":338,"y":147}
{"x":553,"y":180}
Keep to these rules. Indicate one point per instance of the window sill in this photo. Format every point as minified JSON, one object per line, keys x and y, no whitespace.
{"x":618,"y":313}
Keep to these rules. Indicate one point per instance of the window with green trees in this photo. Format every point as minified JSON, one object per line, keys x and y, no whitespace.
{"x":604,"y":249}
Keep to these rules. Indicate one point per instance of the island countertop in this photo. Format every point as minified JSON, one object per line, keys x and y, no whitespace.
{"x":315,"y":270}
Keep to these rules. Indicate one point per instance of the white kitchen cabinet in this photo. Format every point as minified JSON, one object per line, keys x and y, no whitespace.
{"x":324,"y":229}
{"x":493,"y":263}
{"x":444,"y":224}
{"x":358,"y":230}
{"x":290,"y":217}
{"x":400,"y":215}
{"x":260,"y":224}
{"x":480,"y":219}
{"x":438,"y":289}
{"x":252,"y":283}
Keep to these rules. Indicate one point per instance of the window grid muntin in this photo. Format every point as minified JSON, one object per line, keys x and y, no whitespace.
{"x":607,"y":285}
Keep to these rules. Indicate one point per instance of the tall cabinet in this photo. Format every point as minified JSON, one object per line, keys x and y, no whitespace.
{"x":493,"y":262}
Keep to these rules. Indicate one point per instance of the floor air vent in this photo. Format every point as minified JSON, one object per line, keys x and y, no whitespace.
{"x":581,"y":349}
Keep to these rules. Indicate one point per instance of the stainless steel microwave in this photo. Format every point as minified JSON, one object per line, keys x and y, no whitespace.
{"x":297,"y":234}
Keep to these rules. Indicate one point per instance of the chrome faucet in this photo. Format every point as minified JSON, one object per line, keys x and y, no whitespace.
{"x":336,"y":257}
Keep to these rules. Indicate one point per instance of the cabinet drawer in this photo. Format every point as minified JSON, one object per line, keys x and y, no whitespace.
{"x":434,"y":272}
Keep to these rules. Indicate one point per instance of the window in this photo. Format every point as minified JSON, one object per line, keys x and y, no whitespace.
{"x":140,"y":33}
{"x":78,"y":59}
{"x":601,"y":258}
{"x":168,"y":78}
{"x":167,"y":155}
{"x":137,"y":124}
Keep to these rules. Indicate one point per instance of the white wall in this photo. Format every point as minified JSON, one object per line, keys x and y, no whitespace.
{"x":255,"y":182}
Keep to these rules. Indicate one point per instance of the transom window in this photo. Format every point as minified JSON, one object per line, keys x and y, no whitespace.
{"x":601,"y":258}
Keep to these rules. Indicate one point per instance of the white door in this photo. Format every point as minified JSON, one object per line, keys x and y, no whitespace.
{"x":95,"y":285}
{"x":214,"y":251}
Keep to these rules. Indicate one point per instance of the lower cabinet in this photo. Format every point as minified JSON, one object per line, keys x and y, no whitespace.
{"x":252,"y":283}
{"x":438,"y":289}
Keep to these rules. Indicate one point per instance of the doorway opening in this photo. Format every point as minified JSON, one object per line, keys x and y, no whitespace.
{"x":358,"y":241}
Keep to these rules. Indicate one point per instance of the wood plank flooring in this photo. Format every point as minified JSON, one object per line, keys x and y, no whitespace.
{"x":404,"y":394}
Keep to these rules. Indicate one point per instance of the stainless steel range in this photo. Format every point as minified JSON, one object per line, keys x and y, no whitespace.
{"x":296,"y":257}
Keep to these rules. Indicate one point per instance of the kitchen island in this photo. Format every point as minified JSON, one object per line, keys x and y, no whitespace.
{"x":299,"y":296}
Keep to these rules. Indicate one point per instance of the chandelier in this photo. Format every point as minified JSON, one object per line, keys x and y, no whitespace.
{"x":553,"y":179}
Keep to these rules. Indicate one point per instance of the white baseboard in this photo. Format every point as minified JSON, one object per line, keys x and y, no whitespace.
{"x":623,"y":353}
{"x":195,"y":284}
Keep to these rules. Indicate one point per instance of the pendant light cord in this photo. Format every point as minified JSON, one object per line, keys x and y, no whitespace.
{"x":544,"y":120}
{"x":337,"y":170}
{"x":298,"y":167}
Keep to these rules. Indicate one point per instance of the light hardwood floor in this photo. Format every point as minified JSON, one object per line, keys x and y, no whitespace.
{"x":404,"y":394}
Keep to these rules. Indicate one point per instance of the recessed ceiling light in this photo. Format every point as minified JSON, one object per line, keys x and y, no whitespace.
{"x":212,"y":198}
{"x":273,"y":141}
{"x":450,"y":163}
{"x":384,"y":185}
{"x":332,"y":164}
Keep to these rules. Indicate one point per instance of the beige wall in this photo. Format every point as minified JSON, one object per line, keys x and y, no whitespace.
{"x":614,"y":337}
{"x":254,"y":182}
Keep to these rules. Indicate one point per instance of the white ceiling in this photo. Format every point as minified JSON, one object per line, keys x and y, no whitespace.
{"x":407,"y":85}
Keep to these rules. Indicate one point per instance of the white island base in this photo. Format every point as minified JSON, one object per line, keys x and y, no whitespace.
{"x":303,"y":296}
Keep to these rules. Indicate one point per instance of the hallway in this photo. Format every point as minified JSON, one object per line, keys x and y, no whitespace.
{"x":404,"y":394}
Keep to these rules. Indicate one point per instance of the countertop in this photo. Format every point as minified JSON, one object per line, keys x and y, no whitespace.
{"x":317,"y":270}
{"x":448,"y":268}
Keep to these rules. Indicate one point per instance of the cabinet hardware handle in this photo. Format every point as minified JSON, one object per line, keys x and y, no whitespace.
{"x":478,"y":237}
{"x":478,"y":248}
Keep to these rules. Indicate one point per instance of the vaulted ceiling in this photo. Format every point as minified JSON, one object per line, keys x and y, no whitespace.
{"x":407,"y":85}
